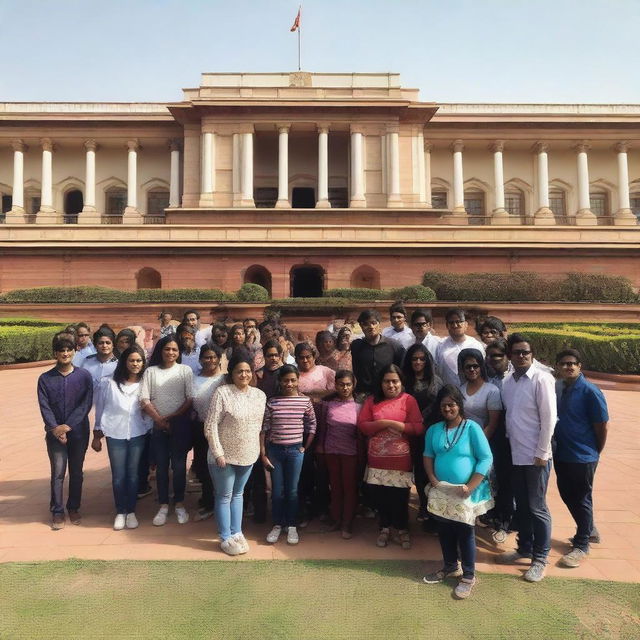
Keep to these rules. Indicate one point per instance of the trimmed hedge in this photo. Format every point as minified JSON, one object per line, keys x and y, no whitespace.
{"x":26,"y":344}
{"x":613,"y":353}
{"x":27,"y":322}
{"x":412,"y":293}
{"x":527,"y":286}
{"x":357,"y":294}
{"x":250,"y":292}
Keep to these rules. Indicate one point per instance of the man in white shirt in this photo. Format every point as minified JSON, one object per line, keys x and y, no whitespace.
{"x":421,"y":326}
{"x":447,"y":351}
{"x":399,"y":330}
{"x":529,"y":398}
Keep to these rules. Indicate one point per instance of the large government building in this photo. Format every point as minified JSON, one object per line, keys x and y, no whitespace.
{"x":307,"y":181}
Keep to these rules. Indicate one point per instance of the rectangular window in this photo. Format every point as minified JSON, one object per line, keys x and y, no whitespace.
{"x":474,"y":204}
{"x":439,"y":199}
{"x":599,"y":204}
{"x":338,"y":197}
{"x":265,"y":197}
{"x":157,"y":202}
{"x":6,"y":203}
{"x":513,"y":204}
{"x":635,"y":204}
{"x":116,"y":202}
{"x":557,"y":203}
{"x":33,"y":204}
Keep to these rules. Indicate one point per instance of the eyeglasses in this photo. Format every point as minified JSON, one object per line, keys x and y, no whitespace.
{"x":471,"y":367}
{"x":83,"y":335}
{"x":420,"y":324}
{"x":418,"y":359}
{"x":521,"y":352}
{"x":572,"y":363}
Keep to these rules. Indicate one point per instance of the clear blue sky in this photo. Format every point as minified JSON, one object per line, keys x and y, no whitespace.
{"x":452,"y":50}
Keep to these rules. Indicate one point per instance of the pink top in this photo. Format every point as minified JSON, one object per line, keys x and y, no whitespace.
{"x":320,"y":378}
{"x":337,"y":427}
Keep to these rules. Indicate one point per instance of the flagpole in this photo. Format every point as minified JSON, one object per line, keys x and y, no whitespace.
{"x":299,"y":64}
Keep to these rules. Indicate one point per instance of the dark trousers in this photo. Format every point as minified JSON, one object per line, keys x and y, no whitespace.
{"x":393,"y":506}
{"x":255,"y":492}
{"x":503,"y":511}
{"x":458,"y":542}
{"x":143,"y":464}
{"x":419,"y":473}
{"x":532,"y":514}
{"x":71,"y":453}
{"x":200,"y":466}
{"x":575,"y":484}
{"x":343,"y":478}
{"x":171,"y":448}
{"x":124,"y":458}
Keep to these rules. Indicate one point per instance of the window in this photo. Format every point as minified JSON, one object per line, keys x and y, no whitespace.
{"x":265,"y":197}
{"x":439,"y":199}
{"x":157,"y":202}
{"x":338,"y":197}
{"x":257,"y":274}
{"x":514,"y":202}
{"x":365,"y":277}
{"x":599,"y":204}
{"x":474,"y":203}
{"x":33,"y":204}
{"x":148,"y":278}
{"x":634,"y":201}
{"x":558,"y":203}
{"x":6,"y":203}
{"x":115,"y":201}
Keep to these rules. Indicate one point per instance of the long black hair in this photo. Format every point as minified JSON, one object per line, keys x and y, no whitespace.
{"x":156,"y":357}
{"x":378,"y":394}
{"x":121,"y":374}
{"x":407,"y":368}
{"x":476,"y":354}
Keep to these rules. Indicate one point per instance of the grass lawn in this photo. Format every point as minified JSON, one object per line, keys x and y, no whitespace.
{"x":228,"y":600}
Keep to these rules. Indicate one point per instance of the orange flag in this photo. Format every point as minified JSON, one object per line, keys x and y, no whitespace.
{"x":296,"y":23}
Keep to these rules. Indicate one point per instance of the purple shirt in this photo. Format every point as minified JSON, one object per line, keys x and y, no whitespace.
{"x":66,"y":400}
{"x":340,"y":424}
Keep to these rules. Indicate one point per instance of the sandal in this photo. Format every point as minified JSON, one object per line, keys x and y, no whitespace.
{"x":383,"y":537}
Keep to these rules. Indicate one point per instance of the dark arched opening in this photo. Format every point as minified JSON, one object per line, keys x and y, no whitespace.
{"x":257,"y":274}
{"x":365,"y":277}
{"x":73,"y":202}
{"x":303,"y":198}
{"x":148,"y":278}
{"x":307,"y":281}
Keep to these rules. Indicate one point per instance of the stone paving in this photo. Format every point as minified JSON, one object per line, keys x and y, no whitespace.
{"x":25,"y":534}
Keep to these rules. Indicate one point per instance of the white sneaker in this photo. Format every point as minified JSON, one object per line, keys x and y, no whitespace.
{"x":182,"y":515}
{"x":292,"y":536}
{"x":274,"y":534}
{"x":160,"y":518}
{"x":230,"y":547}
{"x":131,"y":521}
{"x":241,"y":541}
{"x":119,"y":522}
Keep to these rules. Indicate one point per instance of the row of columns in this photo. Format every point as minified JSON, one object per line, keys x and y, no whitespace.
{"x":543,"y":214}
{"x":47,"y":213}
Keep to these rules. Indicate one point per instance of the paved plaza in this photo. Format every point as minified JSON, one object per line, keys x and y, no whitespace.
{"x":25,"y":534}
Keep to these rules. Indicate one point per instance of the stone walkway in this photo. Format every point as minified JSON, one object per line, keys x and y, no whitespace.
{"x":25,"y":534}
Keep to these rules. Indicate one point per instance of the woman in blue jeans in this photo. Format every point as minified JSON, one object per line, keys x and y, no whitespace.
{"x":287,"y":432}
{"x":232,"y":429}
{"x":120,"y":418}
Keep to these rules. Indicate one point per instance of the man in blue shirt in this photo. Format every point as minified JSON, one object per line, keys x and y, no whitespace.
{"x":65,"y":395}
{"x":580,"y":436}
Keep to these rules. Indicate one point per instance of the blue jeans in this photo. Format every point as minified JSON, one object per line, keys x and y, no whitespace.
{"x":124,"y":457}
{"x":532,"y":514}
{"x":287,"y":462}
{"x":228,"y":486}
{"x":71,"y":453}
{"x":457,"y":539}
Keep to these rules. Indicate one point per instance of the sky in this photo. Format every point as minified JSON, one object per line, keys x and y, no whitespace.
{"x":583,"y":51}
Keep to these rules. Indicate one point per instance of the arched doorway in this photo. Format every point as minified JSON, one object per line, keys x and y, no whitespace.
{"x":307,"y":281}
{"x":365,"y":277}
{"x":148,"y":278}
{"x":257,"y":274}
{"x":73,"y":202}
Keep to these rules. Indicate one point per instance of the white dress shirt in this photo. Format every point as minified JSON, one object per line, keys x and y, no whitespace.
{"x":531,"y":414}
{"x":118,"y":412}
{"x":447,"y":357}
{"x":405,"y":337}
{"x":83,"y":353}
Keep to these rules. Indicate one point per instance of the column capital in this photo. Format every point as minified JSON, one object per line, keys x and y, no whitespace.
{"x":47,"y":144}
{"x":173,"y":144}
{"x":247,"y":127}
{"x":90,"y":145}
{"x":18,"y":145}
{"x":582,"y":147}
{"x":540,"y":147}
{"x":133,"y":145}
{"x":356,"y":128}
{"x":457,"y":145}
{"x":622,"y":147}
{"x":393,"y":127}
{"x":497,"y":146}
{"x":323,"y":127}
{"x":428,"y":146}
{"x":283,"y":127}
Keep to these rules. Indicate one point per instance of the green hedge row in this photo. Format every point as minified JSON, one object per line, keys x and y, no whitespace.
{"x":27,"y":322}
{"x":26,"y":344}
{"x":601,"y":329}
{"x":526,"y":286}
{"x":412,"y":293}
{"x":618,"y":353}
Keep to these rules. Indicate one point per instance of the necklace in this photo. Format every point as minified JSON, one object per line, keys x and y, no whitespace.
{"x":457,"y":434}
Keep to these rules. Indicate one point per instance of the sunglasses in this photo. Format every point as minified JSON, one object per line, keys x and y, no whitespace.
{"x":521,"y":352}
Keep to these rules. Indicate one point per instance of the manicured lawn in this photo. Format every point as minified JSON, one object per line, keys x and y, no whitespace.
{"x":227,"y":600}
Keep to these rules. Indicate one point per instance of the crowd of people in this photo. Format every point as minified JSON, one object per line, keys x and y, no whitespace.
{"x":344,"y":425}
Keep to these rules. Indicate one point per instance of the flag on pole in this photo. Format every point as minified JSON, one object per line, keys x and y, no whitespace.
{"x":296,"y":23}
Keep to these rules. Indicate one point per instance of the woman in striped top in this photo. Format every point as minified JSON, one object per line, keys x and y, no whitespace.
{"x":288,"y":430}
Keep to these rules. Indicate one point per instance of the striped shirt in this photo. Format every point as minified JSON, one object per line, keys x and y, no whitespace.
{"x":288,"y":418}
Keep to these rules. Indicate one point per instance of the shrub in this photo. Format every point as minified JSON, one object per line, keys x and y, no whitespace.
{"x":250,"y":292}
{"x":414,"y":293}
{"x":67,"y":294}
{"x":597,"y":287}
{"x":26,"y":344}
{"x":28,"y":322}
{"x":357,"y":294}
{"x":179,"y":295}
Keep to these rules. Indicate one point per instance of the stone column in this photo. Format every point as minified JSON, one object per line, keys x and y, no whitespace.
{"x":17,"y":213}
{"x":543,"y":214}
{"x":89,"y":214}
{"x":422,"y":187}
{"x":624,"y":215}
{"x":235,"y":171}
{"x":47,"y":214}
{"x":584,"y":216}
{"x":131,"y":213}
{"x":247,"y":170}
{"x":174,"y":175}
{"x":428,"y":148}
{"x":283,"y":167}
{"x":458,"y":179}
{"x":207,"y":180}
{"x":499,"y":215}
{"x":357,"y":181}
{"x":393,"y":158}
{"x":323,"y":167}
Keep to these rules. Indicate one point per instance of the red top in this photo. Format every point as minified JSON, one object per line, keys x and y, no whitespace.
{"x":386,"y":448}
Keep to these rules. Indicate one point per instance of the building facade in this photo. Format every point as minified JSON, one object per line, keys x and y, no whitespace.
{"x":302,"y":182}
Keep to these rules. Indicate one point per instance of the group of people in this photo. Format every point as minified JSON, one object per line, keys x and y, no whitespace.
{"x":337,"y":425}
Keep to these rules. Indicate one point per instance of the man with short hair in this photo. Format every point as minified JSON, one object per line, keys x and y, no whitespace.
{"x":421,"y":326}
{"x":399,"y":330}
{"x":580,"y":436}
{"x":447,"y":351}
{"x":373,"y":352}
{"x":84,"y":346}
{"x":65,"y":396}
{"x":529,"y":398}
